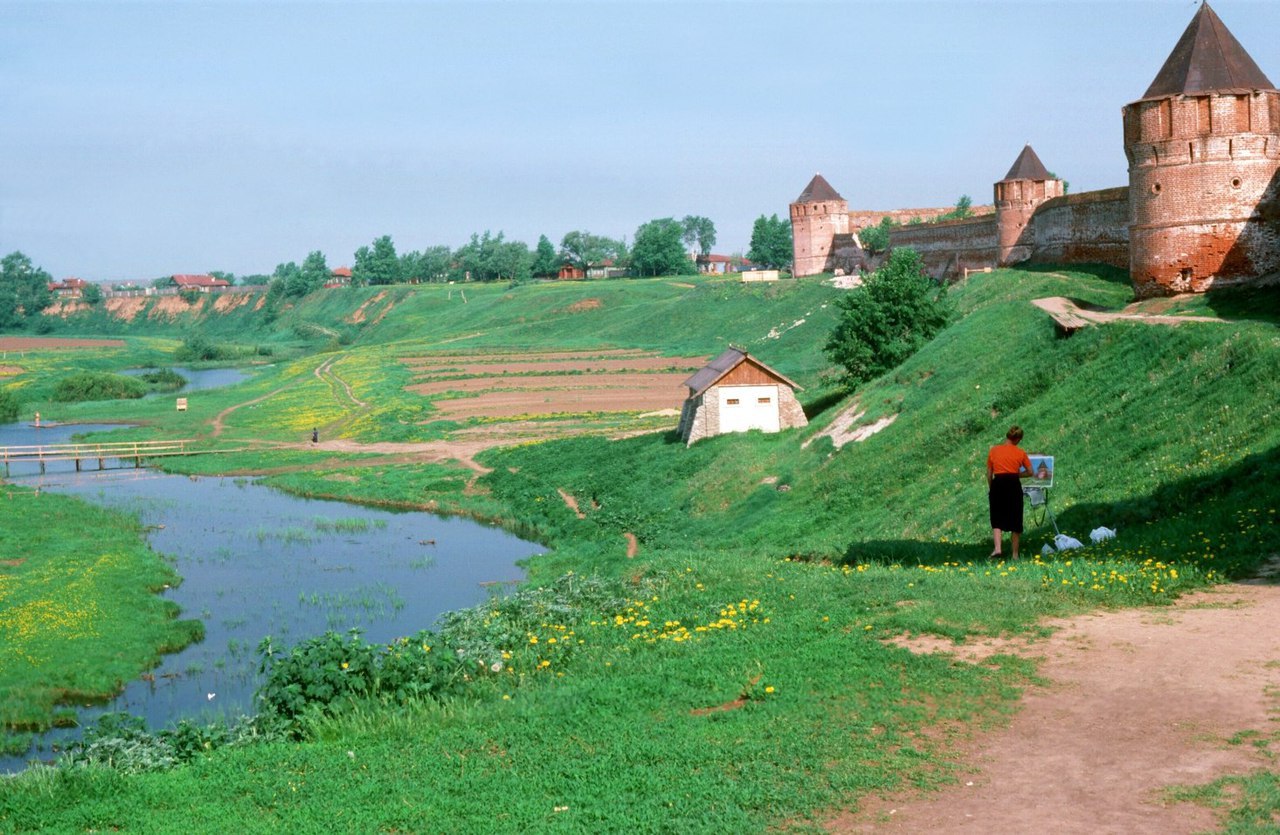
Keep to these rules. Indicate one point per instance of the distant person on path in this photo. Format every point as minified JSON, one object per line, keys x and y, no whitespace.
{"x":1007,"y":465}
{"x":315,"y":436}
{"x":37,"y":420}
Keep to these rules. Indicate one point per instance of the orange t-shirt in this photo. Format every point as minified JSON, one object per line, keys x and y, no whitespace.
{"x":1007,"y":459}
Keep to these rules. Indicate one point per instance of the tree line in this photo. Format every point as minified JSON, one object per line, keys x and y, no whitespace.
{"x":660,"y":247}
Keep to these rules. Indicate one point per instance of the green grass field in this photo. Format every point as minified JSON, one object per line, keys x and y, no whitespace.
{"x":742,"y":681}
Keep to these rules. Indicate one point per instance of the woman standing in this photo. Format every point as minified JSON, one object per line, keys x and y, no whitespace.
{"x":1007,"y":465}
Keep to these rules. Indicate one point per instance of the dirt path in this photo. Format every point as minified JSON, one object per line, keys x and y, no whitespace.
{"x":1137,"y":701}
{"x":219,"y":421}
{"x":1071,"y":315}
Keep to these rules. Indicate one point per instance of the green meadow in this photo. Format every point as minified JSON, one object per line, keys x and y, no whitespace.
{"x":734,"y":673}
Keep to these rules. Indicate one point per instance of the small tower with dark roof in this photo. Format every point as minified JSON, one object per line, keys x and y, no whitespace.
{"x":817,"y":216}
{"x":1023,"y":189}
{"x":1204,"y":150}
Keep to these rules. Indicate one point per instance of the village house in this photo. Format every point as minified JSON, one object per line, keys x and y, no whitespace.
{"x":203,"y":283}
{"x":735,"y":392}
{"x":339,"y":277}
{"x":68,"y":288}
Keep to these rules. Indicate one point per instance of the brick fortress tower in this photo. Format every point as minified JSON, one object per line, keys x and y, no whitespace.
{"x":1026,"y":186}
{"x":817,"y":216}
{"x":1204,"y":150}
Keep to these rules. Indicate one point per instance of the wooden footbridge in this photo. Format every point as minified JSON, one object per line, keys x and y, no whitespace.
{"x":136,"y":451}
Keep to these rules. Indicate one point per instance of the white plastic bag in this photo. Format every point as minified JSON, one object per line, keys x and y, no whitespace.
{"x":1066,"y":543}
{"x":1046,"y":550}
{"x":1101,"y":534}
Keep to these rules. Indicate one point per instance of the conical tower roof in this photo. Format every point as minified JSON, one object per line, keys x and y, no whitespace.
{"x":1207,"y":59}
{"x":817,"y":191}
{"x":1027,"y":167}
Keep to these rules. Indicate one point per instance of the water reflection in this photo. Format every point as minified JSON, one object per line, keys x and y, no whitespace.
{"x":257,"y":562}
{"x":198,"y":379}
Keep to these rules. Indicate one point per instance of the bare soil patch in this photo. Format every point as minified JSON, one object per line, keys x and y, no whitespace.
{"x":1137,"y":701}
{"x":10,"y":370}
{"x":446,"y":357}
{"x":541,"y":382}
{"x":50,"y":343}
{"x":464,"y":366}
{"x":585,"y":305}
{"x":571,"y":502}
{"x":230,"y":301}
{"x":1072,"y":315}
{"x":126,"y":307}
{"x":361,"y":313}
{"x":551,"y":383}
{"x":846,"y":427}
{"x":560,"y":401}
{"x":169,"y":307}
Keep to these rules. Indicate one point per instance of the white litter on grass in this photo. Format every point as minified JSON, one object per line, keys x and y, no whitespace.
{"x":1102,"y":534}
{"x":1047,"y":550}
{"x":1066,"y":543}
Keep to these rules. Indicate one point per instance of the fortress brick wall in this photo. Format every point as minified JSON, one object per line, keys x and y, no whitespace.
{"x":1087,"y":228}
{"x":950,"y":247}
{"x":1203,"y":174}
{"x":860,"y":219}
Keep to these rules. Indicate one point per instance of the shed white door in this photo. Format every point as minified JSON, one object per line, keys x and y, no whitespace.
{"x":748,"y":407}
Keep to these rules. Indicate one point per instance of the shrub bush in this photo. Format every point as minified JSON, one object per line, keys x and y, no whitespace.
{"x":9,"y":406}
{"x":164,"y":379}
{"x":896,"y":311}
{"x":97,"y":385}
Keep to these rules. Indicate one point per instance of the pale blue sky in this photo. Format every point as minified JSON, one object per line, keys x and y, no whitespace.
{"x":139,"y":140}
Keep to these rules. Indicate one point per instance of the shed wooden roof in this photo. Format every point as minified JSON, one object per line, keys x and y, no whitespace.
{"x":719,"y":367}
{"x":1207,"y":59}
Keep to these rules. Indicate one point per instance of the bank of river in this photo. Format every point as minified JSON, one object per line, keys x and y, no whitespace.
{"x":256,"y":562}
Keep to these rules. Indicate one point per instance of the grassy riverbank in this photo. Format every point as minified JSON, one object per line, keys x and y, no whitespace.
{"x":744,"y":680}
{"x":81,"y":612}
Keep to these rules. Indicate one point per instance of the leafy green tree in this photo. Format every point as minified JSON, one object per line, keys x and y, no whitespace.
{"x":312,"y":275}
{"x":659,"y":249}
{"x":546,"y":262}
{"x":891,"y":316}
{"x":491,"y":257}
{"x":230,"y":278}
{"x":256,"y":279}
{"x":431,"y":264}
{"x":583,"y":249}
{"x":875,"y":239}
{"x":376,"y":265}
{"x":91,"y":294}
{"x":24,"y":290}
{"x":290,"y":277}
{"x":770,"y":243}
{"x":700,"y":231}
{"x":963,"y":209}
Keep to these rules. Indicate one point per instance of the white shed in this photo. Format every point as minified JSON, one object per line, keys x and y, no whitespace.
{"x":736,"y":392}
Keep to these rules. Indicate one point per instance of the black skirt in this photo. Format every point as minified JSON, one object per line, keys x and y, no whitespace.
{"x":1005,"y":498}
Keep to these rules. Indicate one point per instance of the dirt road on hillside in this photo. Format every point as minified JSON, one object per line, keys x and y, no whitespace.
{"x":1137,"y":701}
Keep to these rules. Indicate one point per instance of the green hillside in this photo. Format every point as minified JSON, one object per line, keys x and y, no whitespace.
{"x":734,"y":672}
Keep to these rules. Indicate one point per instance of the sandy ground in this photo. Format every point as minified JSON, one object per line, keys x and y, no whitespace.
{"x":1071,"y":315}
{"x":1137,"y":701}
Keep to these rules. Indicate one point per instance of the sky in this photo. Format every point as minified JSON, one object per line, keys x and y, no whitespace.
{"x":139,"y":140}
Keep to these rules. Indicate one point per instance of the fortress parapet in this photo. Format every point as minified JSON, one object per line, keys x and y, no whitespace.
{"x":1203,"y":145}
{"x":817,"y":216}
